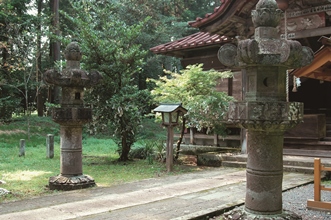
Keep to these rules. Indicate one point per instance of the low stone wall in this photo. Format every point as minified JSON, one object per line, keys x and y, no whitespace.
{"x":189,"y":149}
{"x":209,"y":159}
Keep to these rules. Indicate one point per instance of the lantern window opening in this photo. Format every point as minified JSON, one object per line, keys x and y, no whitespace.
{"x":77,"y":96}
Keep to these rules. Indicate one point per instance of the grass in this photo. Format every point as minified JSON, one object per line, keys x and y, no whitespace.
{"x":28,"y":176}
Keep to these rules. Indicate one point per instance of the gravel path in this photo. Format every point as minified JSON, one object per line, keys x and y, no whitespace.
{"x":295,"y":200}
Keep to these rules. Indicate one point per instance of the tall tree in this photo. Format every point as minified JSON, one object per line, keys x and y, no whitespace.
{"x":109,"y":46}
{"x":168,"y":21}
{"x":54,"y":91}
{"x":16,"y":44}
{"x":40,"y":99}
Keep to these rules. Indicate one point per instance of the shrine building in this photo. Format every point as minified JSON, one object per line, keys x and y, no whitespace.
{"x":307,"y":21}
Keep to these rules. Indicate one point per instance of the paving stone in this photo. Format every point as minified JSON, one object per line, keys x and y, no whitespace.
{"x":181,"y":197}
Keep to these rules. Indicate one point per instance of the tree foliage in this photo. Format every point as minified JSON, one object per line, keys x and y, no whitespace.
{"x":196,"y":90}
{"x":115,"y":37}
{"x":18,"y":61}
{"x":168,"y":21}
{"x":109,"y":46}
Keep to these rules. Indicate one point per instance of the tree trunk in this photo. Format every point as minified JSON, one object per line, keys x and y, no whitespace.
{"x":180,"y":139}
{"x":125,"y":148}
{"x":55,"y":45}
{"x":40,"y":100}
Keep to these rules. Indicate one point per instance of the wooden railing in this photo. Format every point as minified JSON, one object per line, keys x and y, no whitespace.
{"x":317,"y":203}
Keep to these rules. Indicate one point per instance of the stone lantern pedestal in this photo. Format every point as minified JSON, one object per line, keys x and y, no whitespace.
{"x":264,"y":112}
{"x":71,"y":116}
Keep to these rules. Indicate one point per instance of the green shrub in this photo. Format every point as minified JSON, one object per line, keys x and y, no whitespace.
{"x":148,"y":149}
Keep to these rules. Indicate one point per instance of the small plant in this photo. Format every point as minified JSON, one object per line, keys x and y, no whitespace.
{"x":142,"y":150}
{"x":160,"y":151}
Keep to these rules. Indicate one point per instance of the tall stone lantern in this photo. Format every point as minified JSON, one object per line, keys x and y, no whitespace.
{"x":264,"y":112}
{"x":71,"y":116}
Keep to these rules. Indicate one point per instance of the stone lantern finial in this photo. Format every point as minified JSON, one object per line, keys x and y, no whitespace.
{"x":72,"y":52}
{"x":266,"y":14}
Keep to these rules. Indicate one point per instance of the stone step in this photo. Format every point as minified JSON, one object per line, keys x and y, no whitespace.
{"x":307,"y":142}
{"x":286,"y":162}
{"x":291,"y":161}
{"x":327,"y":138}
{"x":234,"y":164}
{"x":297,"y":163}
{"x":308,"y":152}
{"x":286,"y":168}
{"x":299,"y":169}
{"x":321,"y":146}
{"x":187,"y":149}
{"x":238,"y":158}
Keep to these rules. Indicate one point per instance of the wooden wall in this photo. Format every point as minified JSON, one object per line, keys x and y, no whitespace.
{"x":209,"y":60}
{"x":315,"y":94}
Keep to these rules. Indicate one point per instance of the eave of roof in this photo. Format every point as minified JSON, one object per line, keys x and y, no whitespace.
{"x":199,"y":39}
{"x":218,"y":11}
{"x":227,"y":18}
{"x":320,"y":68}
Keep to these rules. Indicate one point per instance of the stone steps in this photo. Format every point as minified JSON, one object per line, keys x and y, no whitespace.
{"x":308,"y":152}
{"x":291,"y":163}
{"x":286,"y":168}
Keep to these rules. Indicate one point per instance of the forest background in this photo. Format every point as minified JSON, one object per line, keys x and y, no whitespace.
{"x":114,"y":36}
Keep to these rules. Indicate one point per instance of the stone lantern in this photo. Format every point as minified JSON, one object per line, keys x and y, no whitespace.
{"x":71,"y":116}
{"x":264,"y":112}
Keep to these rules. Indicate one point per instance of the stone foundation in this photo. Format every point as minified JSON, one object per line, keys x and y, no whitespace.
{"x":70,"y":183}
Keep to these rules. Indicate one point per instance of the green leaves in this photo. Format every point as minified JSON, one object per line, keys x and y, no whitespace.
{"x":196,"y":90}
{"x":109,"y":46}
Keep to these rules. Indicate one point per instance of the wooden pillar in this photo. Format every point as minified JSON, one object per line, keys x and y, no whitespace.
{"x":317,"y":179}
{"x":170,"y":149}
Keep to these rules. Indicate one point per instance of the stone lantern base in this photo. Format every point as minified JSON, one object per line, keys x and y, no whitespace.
{"x":241,"y":214}
{"x":70,"y":183}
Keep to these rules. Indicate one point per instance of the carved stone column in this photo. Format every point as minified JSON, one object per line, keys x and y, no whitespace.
{"x":72,"y":115}
{"x":264,"y":112}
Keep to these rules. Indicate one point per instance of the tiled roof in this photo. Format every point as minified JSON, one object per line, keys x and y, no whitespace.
{"x":196,"y":40}
{"x":211,"y":16}
{"x":229,"y":19}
